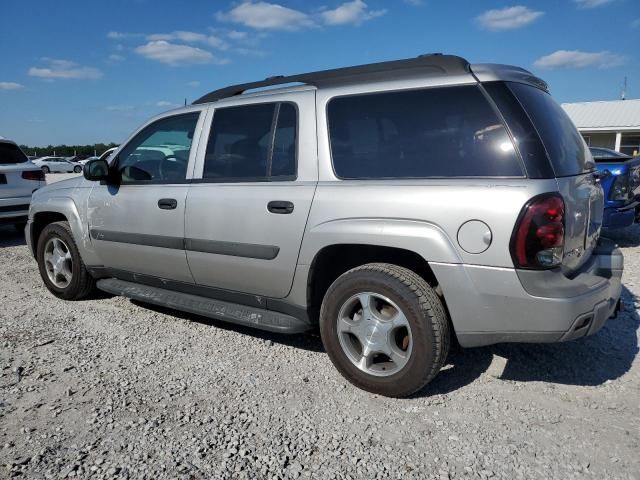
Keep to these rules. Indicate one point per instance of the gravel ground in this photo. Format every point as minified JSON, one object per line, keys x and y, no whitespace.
{"x":113,"y":389}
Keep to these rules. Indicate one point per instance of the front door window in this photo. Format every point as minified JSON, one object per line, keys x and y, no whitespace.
{"x":160,"y":152}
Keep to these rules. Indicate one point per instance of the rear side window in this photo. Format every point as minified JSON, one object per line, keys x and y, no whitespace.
{"x":252,"y":143}
{"x":438,"y":132}
{"x":564,"y":145}
{"x":11,"y":154}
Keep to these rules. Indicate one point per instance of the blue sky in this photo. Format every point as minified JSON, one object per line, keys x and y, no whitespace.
{"x":78,"y":71}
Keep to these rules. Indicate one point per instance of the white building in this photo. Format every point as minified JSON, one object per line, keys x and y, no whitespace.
{"x":612,"y":124}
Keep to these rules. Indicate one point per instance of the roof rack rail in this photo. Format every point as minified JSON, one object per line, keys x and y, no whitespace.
{"x":428,"y":64}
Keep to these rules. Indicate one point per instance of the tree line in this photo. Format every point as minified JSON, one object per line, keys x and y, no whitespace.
{"x":67,"y":150}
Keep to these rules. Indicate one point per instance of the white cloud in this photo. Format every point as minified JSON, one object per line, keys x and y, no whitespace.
{"x":591,"y":3}
{"x":10,"y":86}
{"x":237,"y":35}
{"x":507,"y":18}
{"x":64,"y":69}
{"x":267,"y":16}
{"x":173,"y":54}
{"x":354,"y":12}
{"x":191,"y":37}
{"x":193,"y":83}
{"x":577,"y":59}
{"x":115,"y":58}
{"x":164,"y":103}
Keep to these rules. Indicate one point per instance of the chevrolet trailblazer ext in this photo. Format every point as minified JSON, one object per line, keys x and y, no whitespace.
{"x":394,"y":205}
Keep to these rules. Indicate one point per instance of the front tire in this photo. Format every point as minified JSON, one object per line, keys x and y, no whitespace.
{"x":45,"y":169}
{"x":60,"y":264}
{"x":77,"y":169}
{"x":385,"y":329}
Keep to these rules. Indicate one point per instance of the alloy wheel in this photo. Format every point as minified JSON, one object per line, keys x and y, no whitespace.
{"x":58,"y":262}
{"x":374,"y":334}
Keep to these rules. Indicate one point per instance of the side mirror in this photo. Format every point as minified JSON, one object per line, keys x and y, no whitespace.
{"x":96,"y":170}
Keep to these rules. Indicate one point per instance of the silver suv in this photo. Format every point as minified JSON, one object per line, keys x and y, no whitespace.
{"x":397,"y":207}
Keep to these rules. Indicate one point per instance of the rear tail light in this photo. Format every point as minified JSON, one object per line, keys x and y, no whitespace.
{"x":33,"y":175}
{"x":538,"y":239}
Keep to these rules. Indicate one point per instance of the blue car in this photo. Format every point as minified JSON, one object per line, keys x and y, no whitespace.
{"x":620,"y":179}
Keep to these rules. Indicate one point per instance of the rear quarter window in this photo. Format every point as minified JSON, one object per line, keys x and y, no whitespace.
{"x":436,"y":132}
{"x":564,"y":145}
{"x":11,"y":154}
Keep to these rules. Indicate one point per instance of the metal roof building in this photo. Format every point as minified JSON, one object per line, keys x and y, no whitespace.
{"x":612,"y":124}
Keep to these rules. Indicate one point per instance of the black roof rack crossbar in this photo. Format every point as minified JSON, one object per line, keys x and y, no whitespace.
{"x":430,"y":64}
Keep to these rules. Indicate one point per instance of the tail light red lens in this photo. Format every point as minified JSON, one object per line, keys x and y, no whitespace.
{"x":538,"y":239}
{"x":33,"y":175}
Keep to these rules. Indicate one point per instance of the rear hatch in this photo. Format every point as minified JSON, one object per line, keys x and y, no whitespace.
{"x":13,"y":162}
{"x":573,"y":167}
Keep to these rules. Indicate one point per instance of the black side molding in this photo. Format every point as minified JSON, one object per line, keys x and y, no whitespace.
{"x":246,"y":250}
{"x":138,"y":239}
{"x":235,"y":249}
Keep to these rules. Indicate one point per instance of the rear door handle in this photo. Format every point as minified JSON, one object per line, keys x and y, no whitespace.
{"x":280,"y":206}
{"x":167,"y":203}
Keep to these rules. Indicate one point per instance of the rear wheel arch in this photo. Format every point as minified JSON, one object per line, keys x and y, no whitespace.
{"x":333,"y":260}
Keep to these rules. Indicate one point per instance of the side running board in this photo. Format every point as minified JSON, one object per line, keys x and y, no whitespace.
{"x":207,"y":307}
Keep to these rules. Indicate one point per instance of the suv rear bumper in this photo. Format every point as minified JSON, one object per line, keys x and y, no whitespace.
{"x":493,"y":305}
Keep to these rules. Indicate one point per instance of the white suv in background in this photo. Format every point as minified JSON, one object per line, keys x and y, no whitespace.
{"x":19,"y":178}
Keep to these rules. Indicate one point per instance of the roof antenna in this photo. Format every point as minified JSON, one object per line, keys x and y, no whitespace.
{"x":185,"y":102}
{"x":624,"y":89}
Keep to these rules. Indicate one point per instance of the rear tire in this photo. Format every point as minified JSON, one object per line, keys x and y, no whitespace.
{"x":77,"y":169}
{"x":60,"y":264}
{"x":417,"y":345}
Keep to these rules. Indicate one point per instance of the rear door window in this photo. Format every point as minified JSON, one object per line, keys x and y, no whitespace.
{"x":11,"y":154}
{"x":437,"y":132}
{"x":252,"y":143}
{"x":564,"y":144}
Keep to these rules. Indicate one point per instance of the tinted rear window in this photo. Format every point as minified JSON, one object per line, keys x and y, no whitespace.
{"x":438,"y":132}
{"x":252,"y":143}
{"x":565,"y":147}
{"x":10,"y":153}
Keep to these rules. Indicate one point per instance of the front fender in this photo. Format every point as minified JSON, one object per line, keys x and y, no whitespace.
{"x":424,"y":238}
{"x":66,"y":206}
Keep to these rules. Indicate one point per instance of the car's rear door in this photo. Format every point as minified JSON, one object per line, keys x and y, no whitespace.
{"x":252,"y":190}
{"x":137,"y":226}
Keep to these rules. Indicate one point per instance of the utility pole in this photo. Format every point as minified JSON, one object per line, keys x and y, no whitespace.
{"x":624,"y":88}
